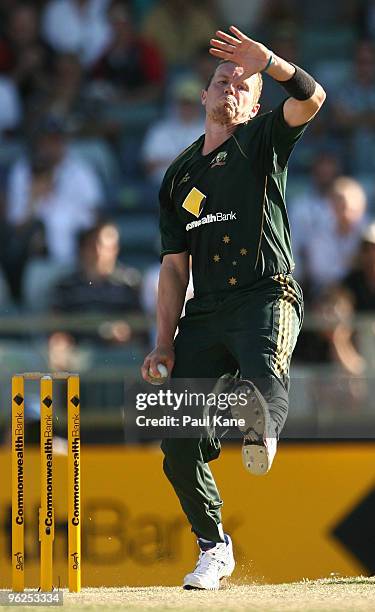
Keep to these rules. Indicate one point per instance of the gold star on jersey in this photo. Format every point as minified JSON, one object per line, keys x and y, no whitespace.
{"x":226,"y":239}
{"x":216,"y":258}
{"x":232,"y":281}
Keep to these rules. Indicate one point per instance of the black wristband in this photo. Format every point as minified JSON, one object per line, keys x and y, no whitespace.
{"x":301,"y":85}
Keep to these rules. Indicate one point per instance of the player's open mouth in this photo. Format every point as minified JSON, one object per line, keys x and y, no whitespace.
{"x":230,"y":101}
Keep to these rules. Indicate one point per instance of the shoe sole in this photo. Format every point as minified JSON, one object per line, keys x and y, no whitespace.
{"x":255,"y":459}
{"x":257,"y":419}
{"x":191,"y":587}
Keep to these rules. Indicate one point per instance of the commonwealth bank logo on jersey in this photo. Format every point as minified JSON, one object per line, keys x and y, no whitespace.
{"x":212,"y":218}
{"x":194,"y":203}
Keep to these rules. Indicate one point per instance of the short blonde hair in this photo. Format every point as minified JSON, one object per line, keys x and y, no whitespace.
{"x":258,"y":87}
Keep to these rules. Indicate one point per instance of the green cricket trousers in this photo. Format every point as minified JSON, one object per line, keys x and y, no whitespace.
{"x":253,"y":331}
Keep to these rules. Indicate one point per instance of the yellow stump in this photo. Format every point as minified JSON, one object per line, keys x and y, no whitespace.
{"x":46,"y":510}
{"x":18,"y":444}
{"x":74,"y":487}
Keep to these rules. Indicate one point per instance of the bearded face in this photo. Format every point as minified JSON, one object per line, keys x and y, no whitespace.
{"x":227,"y":101}
{"x":225,"y":112}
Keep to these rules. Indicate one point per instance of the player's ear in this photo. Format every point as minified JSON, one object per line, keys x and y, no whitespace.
{"x":254,"y":111}
{"x":203,"y":97}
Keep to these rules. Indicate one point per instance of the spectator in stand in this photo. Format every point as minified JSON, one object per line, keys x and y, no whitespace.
{"x":360,"y":281}
{"x":333,"y":341}
{"x":278,"y":14}
{"x":77,"y":26}
{"x":24,"y":57}
{"x":65,"y":98}
{"x":130,"y":63}
{"x":333,"y":344}
{"x":10,"y":107}
{"x":49,"y":190}
{"x":332,"y":241}
{"x":179,"y":28}
{"x":354,"y":110}
{"x":170,"y":136}
{"x":246,"y":15}
{"x":312,"y":207}
{"x":100,"y":284}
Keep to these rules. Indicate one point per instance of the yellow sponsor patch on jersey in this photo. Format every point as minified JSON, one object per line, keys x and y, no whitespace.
{"x":194,"y":202}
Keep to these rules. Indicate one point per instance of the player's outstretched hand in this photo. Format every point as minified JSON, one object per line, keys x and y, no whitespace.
{"x":251,"y":55}
{"x":161,"y":354}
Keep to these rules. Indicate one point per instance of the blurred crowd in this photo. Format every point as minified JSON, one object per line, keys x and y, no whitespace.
{"x":99,"y":96}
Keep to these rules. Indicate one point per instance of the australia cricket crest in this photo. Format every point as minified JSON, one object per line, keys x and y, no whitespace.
{"x":220,"y":159}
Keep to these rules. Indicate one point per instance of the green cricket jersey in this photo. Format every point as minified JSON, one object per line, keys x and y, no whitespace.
{"x":227,"y":208}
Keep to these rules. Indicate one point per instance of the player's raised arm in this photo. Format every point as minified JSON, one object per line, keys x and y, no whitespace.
{"x":306,"y":95}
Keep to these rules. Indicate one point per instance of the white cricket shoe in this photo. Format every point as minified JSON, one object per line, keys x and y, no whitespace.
{"x":260,"y":443}
{"x":213,"y":565}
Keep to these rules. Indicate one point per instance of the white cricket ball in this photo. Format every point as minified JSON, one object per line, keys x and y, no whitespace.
{"x":159,"y":380}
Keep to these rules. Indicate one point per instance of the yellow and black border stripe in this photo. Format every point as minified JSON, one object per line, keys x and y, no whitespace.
{"x":286,"y":330}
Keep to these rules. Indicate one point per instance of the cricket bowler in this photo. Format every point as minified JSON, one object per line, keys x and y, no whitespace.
{"x":222,"y":203}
